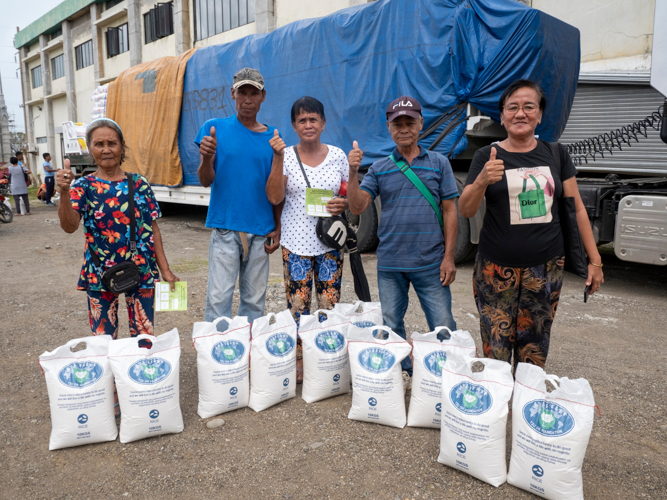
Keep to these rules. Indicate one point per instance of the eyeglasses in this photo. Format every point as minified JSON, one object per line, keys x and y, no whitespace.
{"x":528,"y":108}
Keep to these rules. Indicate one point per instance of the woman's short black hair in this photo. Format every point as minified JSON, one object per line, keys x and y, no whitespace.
{"x":14,"y":160}
{"x":520,"y":84}
{"x":45,"y":155}
{"x":309,"y":105}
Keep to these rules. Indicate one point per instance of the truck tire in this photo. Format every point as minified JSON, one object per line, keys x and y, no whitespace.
{"x":464,"y":248}
{"x":366,"y":227}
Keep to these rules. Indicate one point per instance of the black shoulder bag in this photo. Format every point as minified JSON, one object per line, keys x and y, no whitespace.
{"x":124,"y":276}
{"x":331,"y":231}
{"x":576,"y":260}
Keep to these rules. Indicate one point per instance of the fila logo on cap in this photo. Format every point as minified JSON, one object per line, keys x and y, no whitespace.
{"x":404,"y":104}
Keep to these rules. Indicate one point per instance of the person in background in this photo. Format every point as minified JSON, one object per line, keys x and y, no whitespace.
{"x":18,"y":186}
{"x":101,"y":200}
{"x":415,"y":248}
{"x":236,"y":162}
{"x":19,"y":157}
{"x":49,"y":178}
{"x":518,"y":271}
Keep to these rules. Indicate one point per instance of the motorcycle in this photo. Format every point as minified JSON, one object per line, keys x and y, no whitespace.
{"x":6,"y":214}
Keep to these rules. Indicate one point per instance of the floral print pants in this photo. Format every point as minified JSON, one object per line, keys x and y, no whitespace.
{"x":103,"y":312}
{"x":516,"y":308}
{"x":299,"y":271}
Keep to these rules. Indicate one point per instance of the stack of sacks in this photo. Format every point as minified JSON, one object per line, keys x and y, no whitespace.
{"x":100,"y":102}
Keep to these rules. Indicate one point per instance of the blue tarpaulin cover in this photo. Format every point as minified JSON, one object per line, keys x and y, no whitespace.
{"x":356,"y":61}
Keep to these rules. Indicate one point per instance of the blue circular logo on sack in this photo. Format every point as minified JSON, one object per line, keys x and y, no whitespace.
{"x":372,"y":401}
{"x":330,"y":341}
{"x":280,"y":345}
{"x":438,"y":407}
{"x":363,"y":324}
{"x":434,"y":362}
{"x":149,"y":371}
{"x":82,"y":419}
{"x":461,"y":447}
{"x":336,"y":377}
{"x":286,"y":382}
{"x":233,"y":391}
{"x":471,"y":399}
{"x":376,"y":359}
{"x":548,"y":418}
{"x":80,"y":374}
{"x":154,"y":414}
{"x":227,"y":352}
{"x":538,"y":471}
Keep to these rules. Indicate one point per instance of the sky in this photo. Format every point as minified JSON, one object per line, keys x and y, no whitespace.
{"x":16,"y":13}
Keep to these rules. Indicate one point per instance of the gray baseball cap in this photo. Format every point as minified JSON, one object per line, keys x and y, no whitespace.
{"x":248,"y":76}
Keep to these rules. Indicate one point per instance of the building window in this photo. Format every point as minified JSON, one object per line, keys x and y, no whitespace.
{"x":215,"y":16}
{"x":56,"y":34}
{"x":41,"y":140}
{"x":117,"y":40}
{"x":84,"y":54}
{"x":111,"y":3}
{"x":159,"y":22}
{"x":36,"y":74}
{"x":58,"y":67}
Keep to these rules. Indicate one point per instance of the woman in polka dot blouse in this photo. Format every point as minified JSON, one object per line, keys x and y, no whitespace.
{"x":305,"y":257}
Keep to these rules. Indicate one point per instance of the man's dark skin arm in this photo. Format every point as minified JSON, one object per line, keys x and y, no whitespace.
{"x":206,"y":172}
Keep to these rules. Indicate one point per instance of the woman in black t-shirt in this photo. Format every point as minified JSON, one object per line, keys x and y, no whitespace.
{"x":519,"y":268}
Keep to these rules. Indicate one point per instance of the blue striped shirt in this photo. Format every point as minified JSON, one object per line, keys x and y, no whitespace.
{"x":409,"y":232}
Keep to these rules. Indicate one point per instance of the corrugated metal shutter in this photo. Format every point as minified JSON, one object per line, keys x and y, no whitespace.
{"x":599,"y":109}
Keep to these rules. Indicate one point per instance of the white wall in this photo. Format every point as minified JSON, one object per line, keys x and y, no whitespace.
{"x":39,"y":91}
{"x":114,"y":66}
{"x":610,"y":29}
{"x":161,"y":47}
{"x":59,"y":84}
{"x":226,"y":36}
{"x":287,"y":11}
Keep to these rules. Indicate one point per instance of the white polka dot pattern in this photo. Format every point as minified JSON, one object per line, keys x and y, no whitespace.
{"x":298,"y":229}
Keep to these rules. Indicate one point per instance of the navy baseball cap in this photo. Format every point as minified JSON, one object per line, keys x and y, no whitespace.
{"x":404,"y":105}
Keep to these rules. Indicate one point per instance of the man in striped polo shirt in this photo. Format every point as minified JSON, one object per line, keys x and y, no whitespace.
{"x":417,"y":234}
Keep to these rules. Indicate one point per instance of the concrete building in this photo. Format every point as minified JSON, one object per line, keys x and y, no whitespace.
{"x":5,"y":145}
{"x":81,"y":44}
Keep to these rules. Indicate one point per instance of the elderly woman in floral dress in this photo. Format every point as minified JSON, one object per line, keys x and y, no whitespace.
{"x":101,"y":200}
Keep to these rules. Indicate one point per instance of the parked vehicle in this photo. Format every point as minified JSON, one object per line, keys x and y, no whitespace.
{"x":6,"y":214}
{"x":456,"y":62}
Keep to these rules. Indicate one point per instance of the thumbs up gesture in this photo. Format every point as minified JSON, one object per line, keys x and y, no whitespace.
{"x":493,"y":169}
{"x":208,"y":145}
{"x":277,"y":144}
{"x":65,"y":177}
{"x":355,"y":156}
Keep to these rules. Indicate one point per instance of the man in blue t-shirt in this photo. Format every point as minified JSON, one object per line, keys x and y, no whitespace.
{"x":246,"y":227}
{"x":414,"y":247}
{"x":49,"y":178}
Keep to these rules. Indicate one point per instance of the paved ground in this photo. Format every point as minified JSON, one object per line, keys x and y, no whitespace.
{"x":295,"y":450}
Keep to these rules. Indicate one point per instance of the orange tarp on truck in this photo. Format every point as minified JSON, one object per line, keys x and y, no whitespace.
{"x":145,"y":101}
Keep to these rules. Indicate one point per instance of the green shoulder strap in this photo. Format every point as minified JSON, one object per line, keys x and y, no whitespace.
{"x":412,"y":177}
